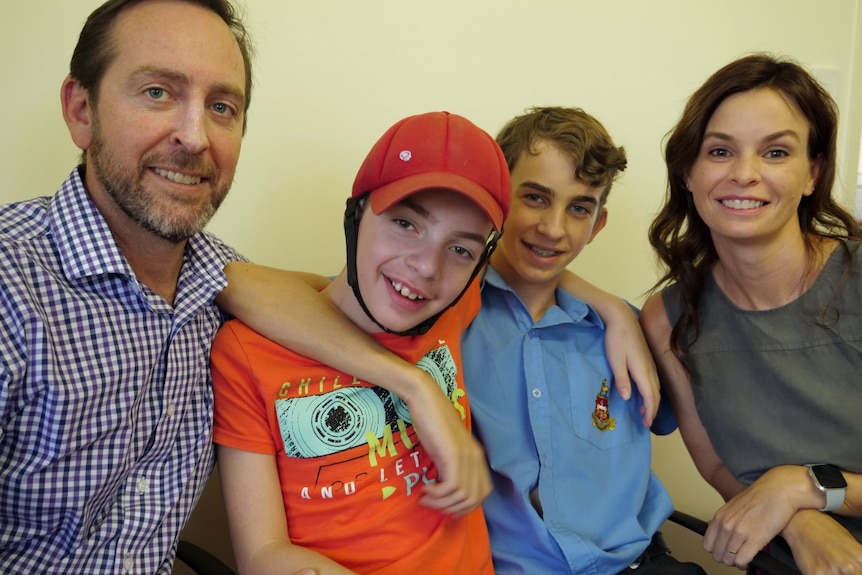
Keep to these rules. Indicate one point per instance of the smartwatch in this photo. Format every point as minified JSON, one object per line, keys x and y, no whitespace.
{"x":828,"y":479}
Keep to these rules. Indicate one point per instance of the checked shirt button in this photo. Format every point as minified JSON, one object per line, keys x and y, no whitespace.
{"x":143,"y":485}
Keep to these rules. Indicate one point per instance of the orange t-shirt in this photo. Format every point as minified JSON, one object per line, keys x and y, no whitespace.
{"x":350,"y":463}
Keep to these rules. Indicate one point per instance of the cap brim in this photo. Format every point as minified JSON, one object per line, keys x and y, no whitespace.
{"x":387,"y":196}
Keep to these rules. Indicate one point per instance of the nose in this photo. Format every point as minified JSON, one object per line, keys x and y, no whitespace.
{"x":191,"y":129}
{"x":552,"y":223}
{"x":745,"y":169}
{"x":427,"y":262}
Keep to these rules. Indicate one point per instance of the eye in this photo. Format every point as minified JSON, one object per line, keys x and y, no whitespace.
{"x":775,"y":154}
{"x":580,"y":209}
{"x":223,"y":109}
{"x":401,"y":222}
{"x":533,"y":198}
{"x":463,"y":252}
{"x":719,"y":152}
{"x":156,"y":93}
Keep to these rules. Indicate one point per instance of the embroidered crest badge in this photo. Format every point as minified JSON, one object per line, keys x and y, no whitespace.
{"x":602,"y":419}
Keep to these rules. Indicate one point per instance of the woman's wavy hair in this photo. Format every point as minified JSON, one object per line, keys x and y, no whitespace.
{"x":681,"y":239}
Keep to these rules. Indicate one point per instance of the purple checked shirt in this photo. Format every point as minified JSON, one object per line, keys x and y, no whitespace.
{"x":105,"y":393}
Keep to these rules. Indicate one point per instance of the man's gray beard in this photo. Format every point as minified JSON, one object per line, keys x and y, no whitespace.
{"x":131,"y":197}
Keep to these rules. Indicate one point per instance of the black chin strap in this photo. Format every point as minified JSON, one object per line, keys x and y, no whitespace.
{"x":352,"y":216}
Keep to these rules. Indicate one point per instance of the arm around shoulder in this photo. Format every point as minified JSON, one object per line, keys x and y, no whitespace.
{"x":627,"y":351}
{"x":287,"y":309}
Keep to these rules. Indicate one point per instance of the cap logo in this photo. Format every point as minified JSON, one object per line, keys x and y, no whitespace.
{"x":405,"y":155}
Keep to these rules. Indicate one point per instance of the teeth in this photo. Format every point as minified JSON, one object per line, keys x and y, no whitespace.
{"x":177,"y":177}
{"x":403,"y":290}
{"x":741,"y":204}
{"x":543,"y":253}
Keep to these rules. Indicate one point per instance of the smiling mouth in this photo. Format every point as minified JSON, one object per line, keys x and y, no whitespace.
{"x":177,"y":177}
{"x":405,"y":291}
{"x":543,"y":253}
{"x":742,"y":204}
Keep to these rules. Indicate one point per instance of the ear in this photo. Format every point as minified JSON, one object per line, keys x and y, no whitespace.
{"x":601,"y":222}
{"x":686,"y":180}
{"x":77,"y":111}
{"x":814,"y":175}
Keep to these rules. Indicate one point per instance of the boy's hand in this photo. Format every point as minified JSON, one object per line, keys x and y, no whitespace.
{"x":463,"y":477}
{"x":630,"y":358}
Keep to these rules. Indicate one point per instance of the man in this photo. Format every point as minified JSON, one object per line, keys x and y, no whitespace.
{"x":107,"y":295}
{"x":570,"y":461}
{"x":107,"y":302}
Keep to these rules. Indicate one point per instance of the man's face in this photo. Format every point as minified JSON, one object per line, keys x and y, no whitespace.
{"x":415,"y":258}
{"x":167,"y":128}
{"x":552,"y":218}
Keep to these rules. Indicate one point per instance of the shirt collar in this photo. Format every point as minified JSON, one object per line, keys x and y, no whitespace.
{"x":87,"y":248}
{"x":568,"y":309}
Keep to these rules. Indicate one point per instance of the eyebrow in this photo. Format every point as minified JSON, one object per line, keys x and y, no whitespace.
{"x":156,"y":72}
{"x":770,"y":138}
{"x":537,"y":186}
{"x":422,"y":212}
{"x":550,"y":191}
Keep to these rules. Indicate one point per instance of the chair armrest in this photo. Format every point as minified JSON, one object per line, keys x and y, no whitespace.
{"x":762,"y":561}
{"x":200,"y":560}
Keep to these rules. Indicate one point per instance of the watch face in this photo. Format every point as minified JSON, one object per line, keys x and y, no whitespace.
{"x":829,"y":476}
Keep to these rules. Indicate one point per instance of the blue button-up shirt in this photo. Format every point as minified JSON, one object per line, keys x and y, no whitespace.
{"x":105,"y":393}
{"x":549,"y":416}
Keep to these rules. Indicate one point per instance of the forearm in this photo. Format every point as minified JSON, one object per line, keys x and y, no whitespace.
{"x":853,"y":499}
{"x":287,"y":308}
{"x":278,"y":558}
{"x":821,"y":545}
{"x":794,"y":484}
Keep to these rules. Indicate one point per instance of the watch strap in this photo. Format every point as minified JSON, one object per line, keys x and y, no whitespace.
{"x":834,"y":499}
{"x":834,"y":495}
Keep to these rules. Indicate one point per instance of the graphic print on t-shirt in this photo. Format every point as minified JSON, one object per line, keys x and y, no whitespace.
{"x":318,"y":425}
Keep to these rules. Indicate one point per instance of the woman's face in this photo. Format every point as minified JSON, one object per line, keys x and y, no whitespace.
{"x":752,"y":169}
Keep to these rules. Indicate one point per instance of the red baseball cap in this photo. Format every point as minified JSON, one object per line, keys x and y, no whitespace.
{"x":437,"y":150}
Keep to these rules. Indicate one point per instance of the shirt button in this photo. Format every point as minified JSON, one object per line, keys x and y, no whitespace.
{"x":143,"y":485}
{"x":128,"y":562}
{"x":172,"y":409}
{"x":537,"y":393}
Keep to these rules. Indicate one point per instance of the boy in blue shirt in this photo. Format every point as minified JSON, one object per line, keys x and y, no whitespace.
{"x":570,"y":460}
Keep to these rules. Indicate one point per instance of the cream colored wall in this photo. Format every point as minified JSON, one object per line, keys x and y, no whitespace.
{"x":332,"y":75}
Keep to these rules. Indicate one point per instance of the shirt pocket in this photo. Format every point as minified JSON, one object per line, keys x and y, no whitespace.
{"x":599,"y":415}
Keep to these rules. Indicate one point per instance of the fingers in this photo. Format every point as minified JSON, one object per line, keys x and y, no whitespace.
{"x":451,"y":499}
{"x":736,"y":555}
{"x":620,"y":369}
{"x":729,"y":546}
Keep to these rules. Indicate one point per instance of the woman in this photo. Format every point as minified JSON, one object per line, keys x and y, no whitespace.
{"x":756,"y":333}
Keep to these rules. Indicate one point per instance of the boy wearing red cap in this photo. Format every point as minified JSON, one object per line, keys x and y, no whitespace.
{"x":319,"y":468}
